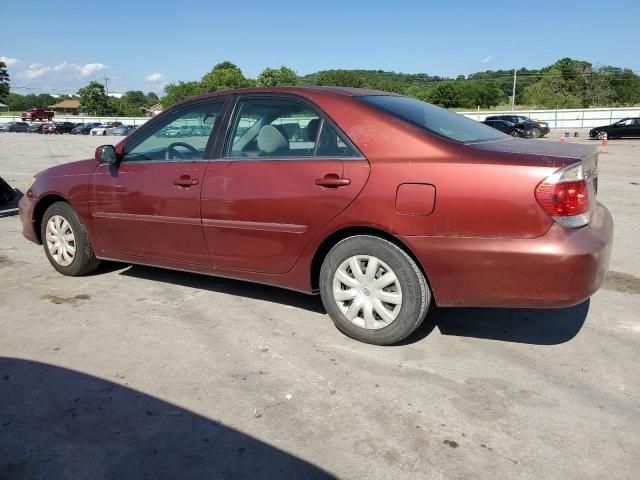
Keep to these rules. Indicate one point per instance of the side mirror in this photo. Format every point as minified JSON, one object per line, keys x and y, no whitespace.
{"x":106,"y":154}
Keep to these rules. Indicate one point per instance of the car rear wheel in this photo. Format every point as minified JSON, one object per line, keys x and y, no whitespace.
{"x":66,"y":241}
{"x":535,"y":132}
{"x":373,"y":291}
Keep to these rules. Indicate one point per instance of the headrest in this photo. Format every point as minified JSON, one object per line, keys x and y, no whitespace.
{"x":271,"y":139}
{"x":312,"y":129}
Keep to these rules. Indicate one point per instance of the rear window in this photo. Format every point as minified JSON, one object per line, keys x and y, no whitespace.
{"x":434,"y":119}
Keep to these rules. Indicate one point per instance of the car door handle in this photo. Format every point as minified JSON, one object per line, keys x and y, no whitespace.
{"x":332,"y":181}
{"x":185,"y":181}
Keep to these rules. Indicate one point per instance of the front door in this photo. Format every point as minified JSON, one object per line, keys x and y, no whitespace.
{"x":148,"y":205}
{"x":281,"y":178}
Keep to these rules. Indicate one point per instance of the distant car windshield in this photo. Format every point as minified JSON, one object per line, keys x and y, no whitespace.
{"x":434,"y":119}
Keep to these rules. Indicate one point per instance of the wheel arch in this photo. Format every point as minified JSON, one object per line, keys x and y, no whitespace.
{"x":38,"y":212}
{"x":330,"y":241}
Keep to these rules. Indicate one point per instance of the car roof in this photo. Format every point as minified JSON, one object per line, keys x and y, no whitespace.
{"x":302,"y":91}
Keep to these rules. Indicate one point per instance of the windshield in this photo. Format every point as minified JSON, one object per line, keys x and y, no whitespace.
{"x":434,"y":119}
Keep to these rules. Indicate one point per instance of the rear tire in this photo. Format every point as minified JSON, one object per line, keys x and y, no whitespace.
{"x":373,"y":291}
{"x":66,"y":241}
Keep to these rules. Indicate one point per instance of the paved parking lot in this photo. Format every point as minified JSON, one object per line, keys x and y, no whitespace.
{"x":139,"y":372}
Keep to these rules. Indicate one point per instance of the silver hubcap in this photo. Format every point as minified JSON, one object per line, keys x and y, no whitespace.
{"x":61,"y":242}
{"x":367,"y":291}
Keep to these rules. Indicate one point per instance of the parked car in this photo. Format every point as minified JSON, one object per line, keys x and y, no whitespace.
{"x":169,"y":132}
{"x":84,"y":128}
{"x":14,"y":127}
{"x":58,"y":128}
{"x":35,"y":128}
{"x":37,"y":113}
{"x":507,"y":127}
{"x":185,"y":131}
{"x":422,"y":206}
{"x":100,"y":129}
{"x":104,"y":128}
{"x":533,"y":128}
{"x":48,"y":128}
{"x":627,"y":127}
{"x":123,"y":130}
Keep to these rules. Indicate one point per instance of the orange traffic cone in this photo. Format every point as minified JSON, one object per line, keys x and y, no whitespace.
{"x":561,"y":138}
{"x":605,"y":139}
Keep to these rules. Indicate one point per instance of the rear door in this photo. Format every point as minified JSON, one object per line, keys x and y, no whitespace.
{"x":280,"y":178}
{"x":148,"y":206}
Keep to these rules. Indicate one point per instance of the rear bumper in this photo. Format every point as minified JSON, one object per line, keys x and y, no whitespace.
{"x":26,"y":206}
{"x":562,"y":268}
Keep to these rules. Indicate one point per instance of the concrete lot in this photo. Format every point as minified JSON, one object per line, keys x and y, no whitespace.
{"x":137,"y":372}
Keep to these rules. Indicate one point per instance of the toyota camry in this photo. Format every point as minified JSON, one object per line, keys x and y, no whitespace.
{"x":382,"y":204}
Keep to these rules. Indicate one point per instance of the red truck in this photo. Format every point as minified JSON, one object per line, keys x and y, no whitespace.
{"x":37,"y":113}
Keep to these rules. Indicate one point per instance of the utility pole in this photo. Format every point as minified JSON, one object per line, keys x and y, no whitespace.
{"x":513,"y":97}
{"x":106,"y":85}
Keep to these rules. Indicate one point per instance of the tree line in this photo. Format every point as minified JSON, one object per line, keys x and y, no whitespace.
{"x":93,"y":101}
{"x":567,"y":83}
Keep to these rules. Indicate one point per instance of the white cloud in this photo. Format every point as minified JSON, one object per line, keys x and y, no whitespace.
{"x":62,"y":77}
{"x":8,"y":61}
{"x":35,"y":70}
{"x":487,"y":59}
{"x":91,"y":68}
{"x":156,"y":77}
{"x":82,"y":70}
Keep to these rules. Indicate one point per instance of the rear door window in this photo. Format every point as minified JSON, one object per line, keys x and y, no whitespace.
{"x":278,"y":127}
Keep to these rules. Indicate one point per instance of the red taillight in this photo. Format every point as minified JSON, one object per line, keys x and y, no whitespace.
{"x":565,"y":196}
{"x":563,"y":199}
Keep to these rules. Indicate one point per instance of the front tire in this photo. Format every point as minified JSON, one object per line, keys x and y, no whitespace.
{"x":535,"y":133}
{"x":66,"y":241}
{"x":373,"y":291}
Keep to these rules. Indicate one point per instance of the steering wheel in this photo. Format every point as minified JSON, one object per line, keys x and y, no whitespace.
{"x":171,"y":153}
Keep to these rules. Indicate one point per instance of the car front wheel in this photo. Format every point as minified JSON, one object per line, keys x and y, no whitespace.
{"x":535,"y":133}
{"x":373,"y":290}
{"x":66,"y":241}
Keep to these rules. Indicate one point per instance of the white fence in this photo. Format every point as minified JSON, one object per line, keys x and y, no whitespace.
{"x":82,"y":119}
{"x":567,"y":118}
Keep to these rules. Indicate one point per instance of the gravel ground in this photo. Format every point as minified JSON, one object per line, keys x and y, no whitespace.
{"x":138,"y":372}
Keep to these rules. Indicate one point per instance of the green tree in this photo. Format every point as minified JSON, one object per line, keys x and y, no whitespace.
{"x":444,"y":94}
{"x":224,"y":76}
{"x":339,"y":78}
{"x":552,"y":91}
{"x":483,"y":93}
{"x":94,"y":100}
{"x":283,"y":76}
{"x":152,"y":99}
{"x":598,"y":91}
{"x":132,"y":103}
{"x":4,"y":81}
{"x":174,"y":92}
{"x":16,"y":102}
{"x":417,"y":92}
{"x":625,"y":84}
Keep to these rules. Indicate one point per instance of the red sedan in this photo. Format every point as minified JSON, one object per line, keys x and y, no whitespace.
{"x":381,"y":203}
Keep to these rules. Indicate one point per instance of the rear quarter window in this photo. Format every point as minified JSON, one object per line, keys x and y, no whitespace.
{"x":435,"y":120}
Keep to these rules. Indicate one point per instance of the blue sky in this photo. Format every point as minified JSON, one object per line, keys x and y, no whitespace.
{"x":144,"y":44}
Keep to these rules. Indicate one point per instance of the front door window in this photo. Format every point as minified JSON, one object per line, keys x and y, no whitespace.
{"x":181,"y":136}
